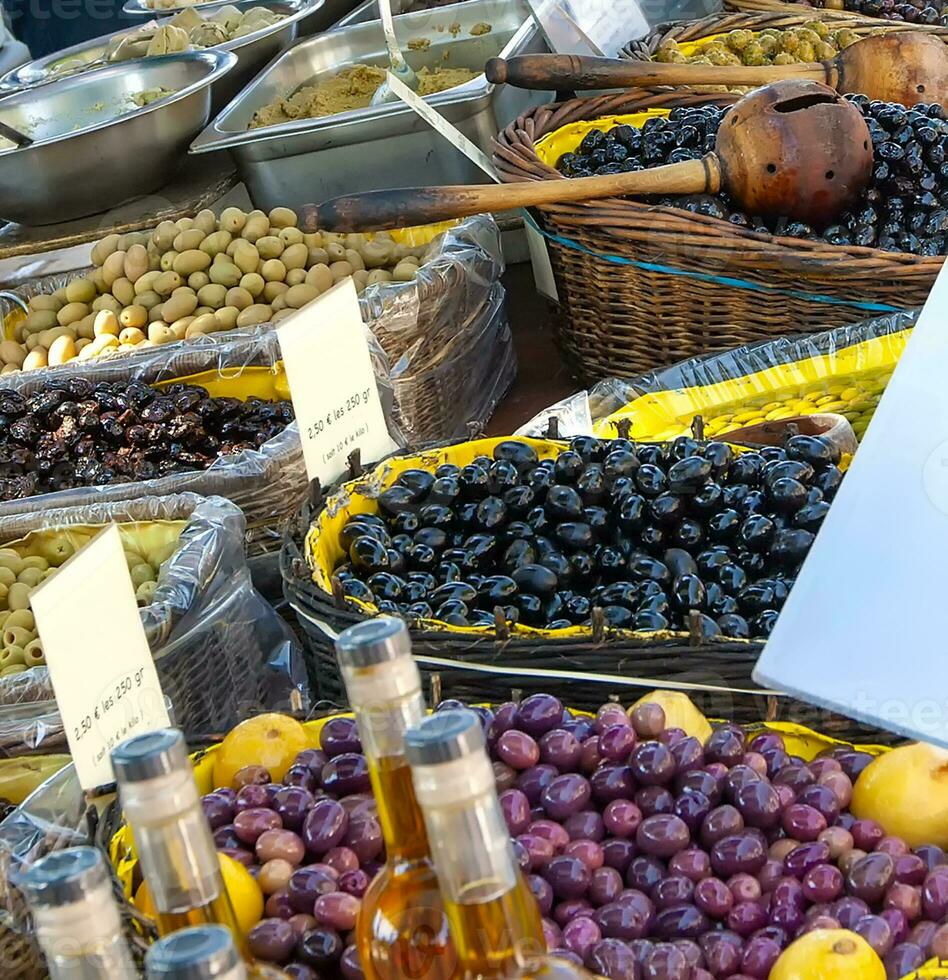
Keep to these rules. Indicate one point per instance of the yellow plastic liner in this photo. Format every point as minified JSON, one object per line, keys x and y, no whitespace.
{"x":251,"y":381}
{"x":799,"y":741}
{"x":566,"y":139}
{"x":848,"y":382}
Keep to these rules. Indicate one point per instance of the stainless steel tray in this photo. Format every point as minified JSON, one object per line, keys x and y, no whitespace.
{"x":307,"y":160}
{"x":85,"y":160}
{"x":369,"y":10}
{"x":253,"y":51}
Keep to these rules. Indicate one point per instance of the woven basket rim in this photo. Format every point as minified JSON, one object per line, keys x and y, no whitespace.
{"x":766,"y":6}
{"x":516,"y":160}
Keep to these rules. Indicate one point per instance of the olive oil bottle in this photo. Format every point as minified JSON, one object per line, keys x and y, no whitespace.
{"x":172,"y":837}
{"x":75,"y":916}
{"x":494,"y":918}
{"x":402,"y":932}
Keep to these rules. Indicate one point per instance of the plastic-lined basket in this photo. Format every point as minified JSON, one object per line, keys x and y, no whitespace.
{"x":641,"y":285}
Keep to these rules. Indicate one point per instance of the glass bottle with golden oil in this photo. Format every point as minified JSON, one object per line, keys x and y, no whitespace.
{"x":203,"y":953}
{"x":173,"y":840}
{"x":495,"y":920}
{"x":76,"y":918}
{"x":402,"y":932}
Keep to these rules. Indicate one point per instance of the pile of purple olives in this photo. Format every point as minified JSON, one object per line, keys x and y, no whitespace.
{"x":686,"y":535}
{"x":651,"y":856}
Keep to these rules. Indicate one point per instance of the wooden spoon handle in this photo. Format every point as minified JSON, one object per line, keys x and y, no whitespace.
{"x":404,"y":207}
{"x":568,"y":71}
{"x":15,"y":135}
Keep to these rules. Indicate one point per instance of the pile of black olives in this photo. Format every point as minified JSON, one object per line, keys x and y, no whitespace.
{"x":685,"y":536}
{"x":904,"y":208}
{"x":77,"y":433}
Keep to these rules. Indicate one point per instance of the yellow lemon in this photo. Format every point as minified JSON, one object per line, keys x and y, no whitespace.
{"x":906,"y":791}
{"x":828,"y":954}
{"x":271,"y":740}
{"x":242,"y":889}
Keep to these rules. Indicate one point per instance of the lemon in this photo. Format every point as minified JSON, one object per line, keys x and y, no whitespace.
{"x":906,"y":791}
{"x":828,"y":954}
{"x":243,"y":891}
{"x":271,"y":740}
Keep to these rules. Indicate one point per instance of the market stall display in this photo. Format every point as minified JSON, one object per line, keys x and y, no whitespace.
{"x":76,"y":120}
{"x":719,"y":281}
{"x":298,"y":160}
{"x":560,"y":557}
{"x":908,"y":14}
{"x":254,"y":30}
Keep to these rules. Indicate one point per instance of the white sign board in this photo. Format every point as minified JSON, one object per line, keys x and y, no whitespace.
{"x":589,"y":27}
{"x":102,"y":670}
{"x":332,"y":384}
{"x":860,"y":632}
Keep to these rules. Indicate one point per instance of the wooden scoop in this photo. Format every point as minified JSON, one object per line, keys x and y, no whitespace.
{"x":794,"y":149}
{"x":905,"y":67}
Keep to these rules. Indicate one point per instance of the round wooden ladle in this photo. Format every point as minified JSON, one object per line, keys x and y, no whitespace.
{"x":907,"y":67}
{"x":793,"y":149}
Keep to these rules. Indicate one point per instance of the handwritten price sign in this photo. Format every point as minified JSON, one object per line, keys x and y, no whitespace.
{"x":332,"y":384}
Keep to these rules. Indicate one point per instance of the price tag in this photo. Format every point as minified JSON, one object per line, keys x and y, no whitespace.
{"x":99,"y":662}
{"x":332,"y":384}
{"x":859,"y":632}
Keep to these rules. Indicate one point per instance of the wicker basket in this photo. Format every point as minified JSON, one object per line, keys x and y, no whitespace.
{"x":778,"y":15}
{"x":769,"y":6}
{"x":641,"y":286}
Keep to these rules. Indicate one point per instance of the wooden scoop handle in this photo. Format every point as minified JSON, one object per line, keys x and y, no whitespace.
{"x":405,"y":207}
{"x":569,"y":71}
{"x":15,"y":135}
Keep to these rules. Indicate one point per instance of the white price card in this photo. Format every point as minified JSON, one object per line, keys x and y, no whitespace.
{"x":861,"y":630}
{"x":101,"y":667}
{"x":332,"y":384}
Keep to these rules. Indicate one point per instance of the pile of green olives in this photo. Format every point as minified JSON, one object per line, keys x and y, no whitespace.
{"x":681,"y":536}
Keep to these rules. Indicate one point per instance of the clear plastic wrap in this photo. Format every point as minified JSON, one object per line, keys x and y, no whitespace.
{"x":438,"y":331}
{"x":267,"y":483}
{"x":221,"y":652}
{"x":842,"y":371}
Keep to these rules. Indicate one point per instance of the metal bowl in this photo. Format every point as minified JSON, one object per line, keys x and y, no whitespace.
{"x":253,"y":50}
{"x":85,"y":159}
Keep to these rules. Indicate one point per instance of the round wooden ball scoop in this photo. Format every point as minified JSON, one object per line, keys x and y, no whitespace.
{"x":793,"y":149}
{"x":907,"y":67}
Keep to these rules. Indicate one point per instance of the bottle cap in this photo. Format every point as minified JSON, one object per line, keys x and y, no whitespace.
{"x":150,"y":755}
{"x":198,"y":953}
{"x":373,"y":641}
{"x":62,"y":877}
{"x":445,"y":737}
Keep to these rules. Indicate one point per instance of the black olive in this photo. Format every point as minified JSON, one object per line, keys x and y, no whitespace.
{"x":612,"y":562}
{"x":787,"y":494}
{"x":754,"y":502}
{"x":419,"y":482}
{"x":667,"y":508}
{"x":463,"y":591}
{"x":396,"y":561}
{"x":423,"y":578}
{"x":448,"y":571}
{"x":515,"y":530}
{"x":491,"y":513}
{"x":707,"y":500}
{"x":679,"y":562}
{"x":591,"y":484}
{"x":421,"y":609}
{"x":558,"y":564}
{"x":480,"y":549}
{"x":357,"y":589}
{"x":811,"y":516}
{"x":755,"y":598}
{"x":618,"y":594}
{"x":688,"y":592}
{"x":619,"y":463}
{"x":734,"y":495}
{"x":540,"y":480}
{"x":598,"y":519}
{"x":582,"y":564}
{"x":642,"y":567}
{"x":355,"y":528}
{"x":568,"y":467}
{"x":828,"y":481}
{"x":617,"y":617}
{"x":531,"y":608}
{"x":632,"y":512}
{"x":651,"y":480}
{"x":502,"y":475}
{"x":436,"y":515}
{"x":414,"y":592}
{"x":480,"y":617}
{"x":578,"y":608}
{"x":522,"y":455}
{"x":538,"y":520}
{"x":712,"y":558}
{"x":564,"y":503}
{"x":473,"y":482}
{"x":536,"y":579}
{"x":434,"y":537}
{"x":652,"y":538}
{"x":589,"y":448}
{"x":497,"y":588}
{"x":650,"y":622}
{"x":724,"y":525}
{"x":445,"y":490}
{"x":731,"y":624}
{"x":732,"y":577}
{"x":449,"y":608}
{"x":402,"y":543}
{"x":519,"y":500}
{"x":689,"y":534}
{"x":405,"y":522}
{"x":689,"y":475}
{"x":720,"y":455}
{"x":368,"y":554}
{"x":745,"y":468}
{"x":756,"y":532}
{"x":575,"y":535}
{"x":793,"y":469}
{"x":764,"y":622}
{"x":790,"y":546}
{"x":384,"y":585}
